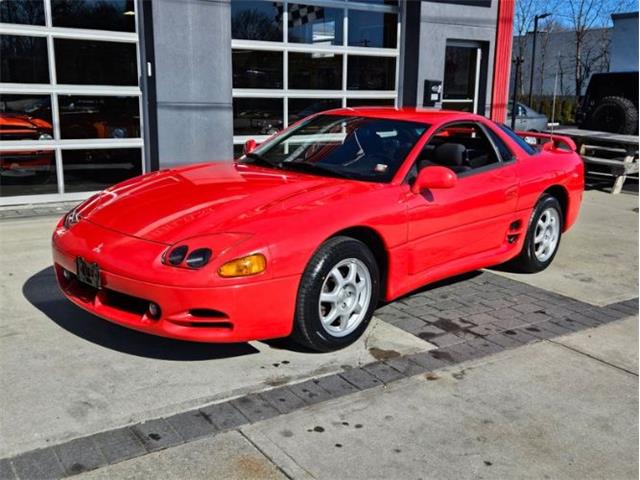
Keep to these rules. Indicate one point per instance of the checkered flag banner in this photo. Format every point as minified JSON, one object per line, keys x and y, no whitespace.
{"x":300,"y":14}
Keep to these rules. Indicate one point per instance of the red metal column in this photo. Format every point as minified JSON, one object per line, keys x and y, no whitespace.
{"x":502,"y":60}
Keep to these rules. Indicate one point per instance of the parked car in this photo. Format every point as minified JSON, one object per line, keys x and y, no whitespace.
{"x":527,"y":119}
{"x":25,"y":166}
{"x":610,"y":103}
{"x":308,"y":232}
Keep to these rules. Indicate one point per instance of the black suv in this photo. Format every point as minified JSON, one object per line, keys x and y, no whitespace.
{"x":611,"y":103}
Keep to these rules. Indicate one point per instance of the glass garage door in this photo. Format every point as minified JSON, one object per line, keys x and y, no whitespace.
{"x":70,"y":99}
{"x":294,"y":59}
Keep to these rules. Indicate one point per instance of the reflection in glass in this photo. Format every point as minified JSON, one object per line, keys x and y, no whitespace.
{"x":90,"y":170}
{"x":373,"y":29}
{"x":459,"y":73}
{"x":371,"y":73}
{"x":257,"y":69}
{"x":317,"y":25}
{"x":315,"y":71}
{"x":303,"y":107}
{"x":359,"y":148}
{"x":256,"y":20}
{"x":99,"y":117}
{"x":25,"y":117}
{"x":378,"y":2}
{"x":23,"y":59}
{"x":27,"y":173}
{"x":118,"y":15}
{"x":370,"y":102}
{"x":238,"y":150}
{"x":257,"y":116}
{"x":458,"y":105}
{"x":90,"y":62}
{"x":27,"y":12}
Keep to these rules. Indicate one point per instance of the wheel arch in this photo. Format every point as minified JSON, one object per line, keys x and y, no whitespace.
{"x":561,"y":194}
{"x":374,"y":240}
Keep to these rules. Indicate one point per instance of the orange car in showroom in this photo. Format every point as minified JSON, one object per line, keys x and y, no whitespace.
{"x":31,"y":165}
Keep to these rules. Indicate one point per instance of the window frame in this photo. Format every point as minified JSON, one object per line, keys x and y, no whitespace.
{"x":343,"y":94}
{"x":53,"y":89}
{"x":493,"y":166}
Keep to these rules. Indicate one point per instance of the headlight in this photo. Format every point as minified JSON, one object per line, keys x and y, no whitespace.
{"x":199,"y":257}
{"x":245,"y":266}
{"x":45,"y":136}
{"x":176,"y":255}
{"x":71,"y":218}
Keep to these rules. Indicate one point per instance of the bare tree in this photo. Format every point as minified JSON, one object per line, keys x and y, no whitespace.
{"x":524,"y":13}
{"x":585,"y":15}
{"x":549,"y":27}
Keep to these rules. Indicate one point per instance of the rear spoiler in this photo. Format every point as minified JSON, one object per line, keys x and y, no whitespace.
{"x":549,"y":141}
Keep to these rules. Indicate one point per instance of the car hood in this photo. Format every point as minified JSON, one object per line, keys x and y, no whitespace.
{"x":172,"y":205}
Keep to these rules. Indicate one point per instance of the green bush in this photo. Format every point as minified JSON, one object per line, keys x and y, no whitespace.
{"x":565,"y":108}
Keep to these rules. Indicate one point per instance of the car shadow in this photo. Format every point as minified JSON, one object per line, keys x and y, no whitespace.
{"x":436,"y":285}
{"x":42,"y":291}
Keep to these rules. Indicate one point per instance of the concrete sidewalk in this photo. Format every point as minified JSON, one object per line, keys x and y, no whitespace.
{"x":71,"y":383}
{"x":565,"y":408}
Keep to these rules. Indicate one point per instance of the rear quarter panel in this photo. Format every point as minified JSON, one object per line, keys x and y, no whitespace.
{"x":547,"y":169}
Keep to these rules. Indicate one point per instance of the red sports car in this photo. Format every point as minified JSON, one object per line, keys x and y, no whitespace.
{"x":306,"y":233}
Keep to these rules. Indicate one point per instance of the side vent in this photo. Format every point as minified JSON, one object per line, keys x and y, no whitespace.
{"x":515,"y":230}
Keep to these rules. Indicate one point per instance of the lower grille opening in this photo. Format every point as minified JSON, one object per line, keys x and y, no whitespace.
{"x":219,"y":325}
{"x":207,"y":313}
{"x":125,"y":302}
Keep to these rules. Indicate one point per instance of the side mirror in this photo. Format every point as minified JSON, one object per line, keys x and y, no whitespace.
{"x":434,"y":177}
{"x":249,"y":146}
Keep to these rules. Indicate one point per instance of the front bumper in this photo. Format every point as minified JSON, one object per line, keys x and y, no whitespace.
{"x":252,"y":310}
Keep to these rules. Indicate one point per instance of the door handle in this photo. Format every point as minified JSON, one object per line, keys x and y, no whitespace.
{"x":511,"y":192}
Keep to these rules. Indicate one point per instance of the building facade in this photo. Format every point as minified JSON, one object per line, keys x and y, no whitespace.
{"x":95,"y":92}
{"x":555,"y":61}
{"x":624,"y":47}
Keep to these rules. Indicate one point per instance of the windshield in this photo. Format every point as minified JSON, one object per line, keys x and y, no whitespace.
{"x":359,"y":148}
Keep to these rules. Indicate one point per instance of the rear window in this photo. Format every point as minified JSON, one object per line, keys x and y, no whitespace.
{"x":520,"y":141}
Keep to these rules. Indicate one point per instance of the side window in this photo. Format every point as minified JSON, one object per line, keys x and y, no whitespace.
{"x":462,"y":147}
{"x":521,"y":143}
{"x":503,"y":150}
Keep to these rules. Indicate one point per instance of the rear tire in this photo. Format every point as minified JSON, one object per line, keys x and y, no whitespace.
{"x":543,"y":236}
{"x":614,"y":114}
{"x":338,"y":294}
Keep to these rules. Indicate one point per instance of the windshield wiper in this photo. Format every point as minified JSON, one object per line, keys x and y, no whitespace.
{"x":314,"y":168}
{"x":257,"y":158}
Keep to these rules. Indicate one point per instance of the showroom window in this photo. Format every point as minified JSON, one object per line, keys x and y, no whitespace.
{"x":293,"y":59}
{"x":70,"y":99}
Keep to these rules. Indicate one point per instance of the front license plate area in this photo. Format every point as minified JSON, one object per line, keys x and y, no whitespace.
{"x":88,"y":273}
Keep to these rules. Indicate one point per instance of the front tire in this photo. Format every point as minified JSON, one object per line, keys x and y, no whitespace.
{"x":543,"y":236}
{"x":337,"y":296}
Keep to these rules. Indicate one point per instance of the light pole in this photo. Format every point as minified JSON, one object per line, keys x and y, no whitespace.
{"x":514,"y":97}
{"x":533,"y":53}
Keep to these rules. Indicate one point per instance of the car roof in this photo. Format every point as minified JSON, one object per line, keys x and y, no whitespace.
{"x":430,"y":116}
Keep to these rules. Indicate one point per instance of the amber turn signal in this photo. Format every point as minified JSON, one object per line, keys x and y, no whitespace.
{"x":245,"y":266}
